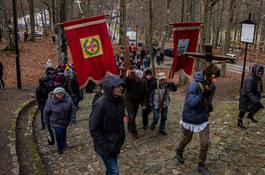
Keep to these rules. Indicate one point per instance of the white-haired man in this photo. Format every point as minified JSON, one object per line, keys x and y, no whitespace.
{"x":135,"y":93}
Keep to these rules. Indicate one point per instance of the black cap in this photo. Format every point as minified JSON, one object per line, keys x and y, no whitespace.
{"x":148,"y":71}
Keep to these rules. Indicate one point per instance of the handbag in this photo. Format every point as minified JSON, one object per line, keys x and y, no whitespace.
{"x":50,"y":136}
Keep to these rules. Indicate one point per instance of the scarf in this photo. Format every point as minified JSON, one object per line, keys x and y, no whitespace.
{"x":258,"y":82}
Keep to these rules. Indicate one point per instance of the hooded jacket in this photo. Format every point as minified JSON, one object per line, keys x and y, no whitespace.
{"x":249,"y":94}
{"x":73,"y":85}
{"x":42,"y":92}
{"x":51,"y":78}
{"x":106,"y":124}
{"x":59,"y":113}
{"x":194,"y":110}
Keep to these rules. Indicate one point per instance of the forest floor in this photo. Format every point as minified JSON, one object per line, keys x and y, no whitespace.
{"x":33,"y":57}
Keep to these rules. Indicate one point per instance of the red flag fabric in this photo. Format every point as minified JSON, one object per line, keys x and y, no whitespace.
{"x":185,"y":40}
{"x":90,"y":48}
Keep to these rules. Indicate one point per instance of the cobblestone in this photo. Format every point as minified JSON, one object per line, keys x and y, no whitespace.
{"x":232,"y":150}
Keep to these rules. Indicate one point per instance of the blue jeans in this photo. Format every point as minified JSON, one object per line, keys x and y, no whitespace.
{"x":163,"y":118}
{"x":111,"y":163}
{"x":2,"y":81}
{"x":131,"y":124}
{"x":60,"y":135}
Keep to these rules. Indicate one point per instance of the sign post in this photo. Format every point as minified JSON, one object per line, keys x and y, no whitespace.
{"x":247,"y":36}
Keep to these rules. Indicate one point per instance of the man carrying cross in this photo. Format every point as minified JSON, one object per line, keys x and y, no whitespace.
{"x":195,"y":115}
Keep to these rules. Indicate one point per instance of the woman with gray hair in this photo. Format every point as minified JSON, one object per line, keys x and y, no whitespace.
{"x":59,"y":112}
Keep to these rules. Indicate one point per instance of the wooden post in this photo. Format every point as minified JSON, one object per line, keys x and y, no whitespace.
{"x":127,"y":54}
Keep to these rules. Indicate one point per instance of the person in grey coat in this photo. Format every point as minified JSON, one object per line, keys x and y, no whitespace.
{"x":59,"y":112}
{"x":250,"y":95}
{"x":106,"y":123}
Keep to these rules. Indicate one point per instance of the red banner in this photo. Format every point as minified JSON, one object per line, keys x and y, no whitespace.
{"x":185,"y":40}
{"x":90,"y":48}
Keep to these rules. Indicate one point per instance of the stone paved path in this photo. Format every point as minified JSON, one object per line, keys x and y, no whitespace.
{"x":232,"y":150}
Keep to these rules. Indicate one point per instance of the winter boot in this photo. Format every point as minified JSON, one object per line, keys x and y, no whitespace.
{"x":201,"y":168}
{"x":240,"y":124}
{"x":179,"y":155}
{"x":251,"y":117}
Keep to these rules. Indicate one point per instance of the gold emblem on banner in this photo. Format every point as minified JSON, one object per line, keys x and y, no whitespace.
{"x":91,"y":46}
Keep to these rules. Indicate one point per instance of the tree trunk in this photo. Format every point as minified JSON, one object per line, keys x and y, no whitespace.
{"x":166,"y":26}
{"x":182,"y":11}
{"x":7,"y":31}
{"x":183,"y":78}
{"x":32,"y":21}
{"x":122,"y":28}
{"x":124,"y":22}
{"x":52,"y":19}
{"x":151,"y":36}
{"x":227,"y":34}
{"x":26,"y":25}
{"x":61,"y":14}
{"x":43,"y":23}
{"x":88,"y":10}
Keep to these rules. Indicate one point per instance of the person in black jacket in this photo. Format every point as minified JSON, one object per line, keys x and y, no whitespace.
{"x":250,"y":95}
{"x":74,"y":90}
{"x":42,"y":92}
{"x":1,"y":75}
{"x":60,"y":83}
{"x":98,"y":95}
{"x":106,"y":124}
{"x":149,"y":79}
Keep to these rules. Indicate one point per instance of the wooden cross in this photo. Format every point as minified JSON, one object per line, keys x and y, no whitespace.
{"x":209,"y":57}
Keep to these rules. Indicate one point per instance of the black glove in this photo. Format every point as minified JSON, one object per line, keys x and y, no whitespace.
{"x":207,"y":93}
{"x":210,"y":108}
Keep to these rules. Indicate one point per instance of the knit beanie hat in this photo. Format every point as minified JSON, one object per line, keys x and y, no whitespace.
{"x":58,"y":90}
{"x":58,"y":78}
{"x":62,"y":65}
{"x":148,"y":71}
{"x":67,"y":68}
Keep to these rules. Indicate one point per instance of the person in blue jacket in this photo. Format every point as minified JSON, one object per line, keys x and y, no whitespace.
{"x":195,"y":116}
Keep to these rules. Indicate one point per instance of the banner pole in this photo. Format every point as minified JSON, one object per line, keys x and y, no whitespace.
{"x":106,"y":15}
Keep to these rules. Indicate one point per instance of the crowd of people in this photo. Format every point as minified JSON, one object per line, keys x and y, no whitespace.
{"x":142,"y":59}
{"x":58,"y":96}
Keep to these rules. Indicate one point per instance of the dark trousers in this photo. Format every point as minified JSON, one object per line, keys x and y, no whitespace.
{"x":60,"y":135}
{"x":42,"y":122}
{"x":131,"y":124}
{"x":111,"y":163}
{"x":204,"y":142}
{"x":76,"y":98}
{"x":145,"y":114}
{"x":241,"y":115}
{"x":2,"y":81}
